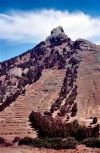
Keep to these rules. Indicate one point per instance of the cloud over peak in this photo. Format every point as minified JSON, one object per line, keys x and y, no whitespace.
{"x":35,"y":26}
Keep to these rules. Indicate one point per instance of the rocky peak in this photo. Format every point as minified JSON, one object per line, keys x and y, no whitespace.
{"x":83,"y":45}
{"x":57,"y":30}
{"x":57,"y":36}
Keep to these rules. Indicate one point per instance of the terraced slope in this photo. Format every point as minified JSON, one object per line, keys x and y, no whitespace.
{"x":38,"y":97}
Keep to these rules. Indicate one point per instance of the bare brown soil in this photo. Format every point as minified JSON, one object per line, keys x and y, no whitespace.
{"x":25,"y":149}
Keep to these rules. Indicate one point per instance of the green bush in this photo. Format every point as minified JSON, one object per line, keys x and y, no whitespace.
{"x":69,"y":143}
{"x":55,"y":143}
{"x":26,"y":141}
{"x":92,"y":142}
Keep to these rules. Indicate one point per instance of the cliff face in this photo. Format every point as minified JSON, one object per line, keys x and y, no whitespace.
{"x":58,"y":77}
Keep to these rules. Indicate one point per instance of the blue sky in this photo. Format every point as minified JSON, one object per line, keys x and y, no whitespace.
{"x":24,"y":23}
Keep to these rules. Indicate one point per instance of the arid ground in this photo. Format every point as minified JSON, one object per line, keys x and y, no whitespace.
{"x":25,"y":149}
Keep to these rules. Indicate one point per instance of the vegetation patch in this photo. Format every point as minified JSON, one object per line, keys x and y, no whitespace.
{"x":55,"y":143}
{"x":92,"y":142}
{"x":2,"y":140}
{"x":48,"y":127}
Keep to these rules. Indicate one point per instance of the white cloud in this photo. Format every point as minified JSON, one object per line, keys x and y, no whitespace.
{"x":35,"y":26}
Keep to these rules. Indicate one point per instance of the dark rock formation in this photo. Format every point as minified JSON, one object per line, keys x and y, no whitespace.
{"x":57,"y":36}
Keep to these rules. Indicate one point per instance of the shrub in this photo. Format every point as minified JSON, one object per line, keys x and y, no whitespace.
{"x":55,"y":143}
{"x":83,"y":133}
{"x":94,"y":120}
{"x":7,"y":144}
{"x":74,"y":110}
{"x":47,"y":113}
{"x":59,"y":143}
{"x":26,"y":141}
{"x":2,"y":140}
{"x":48,"y":127}
{"x":74,"y":61}
{"x":16,"y":139}
{"x":69,"y":143}
{"x":92,"y":142}
{"x":95,"y":131}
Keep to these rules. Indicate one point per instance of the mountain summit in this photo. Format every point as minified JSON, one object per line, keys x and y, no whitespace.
{"x":57,"y":35}
{"x":58,"y":78}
